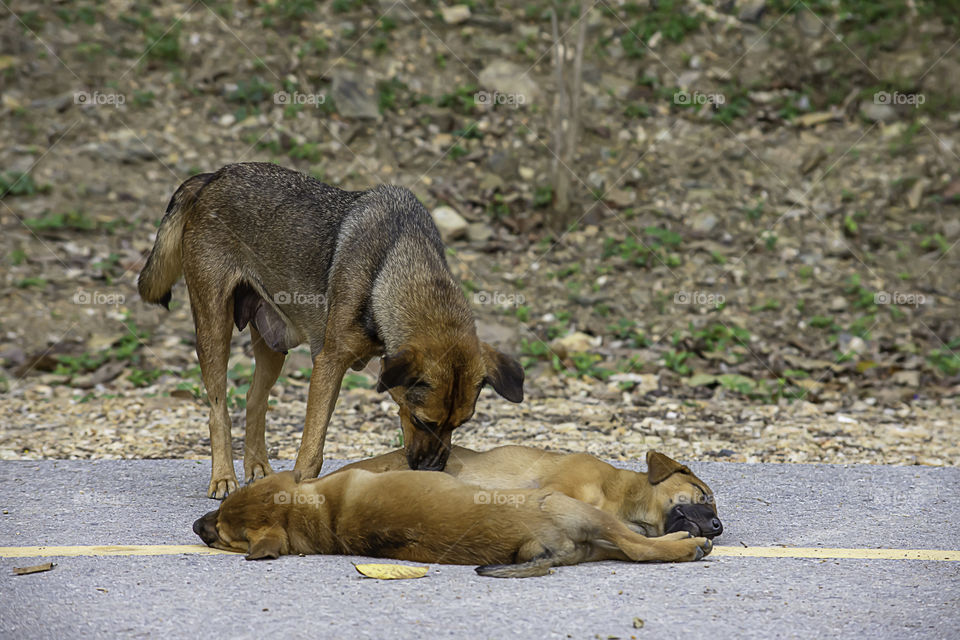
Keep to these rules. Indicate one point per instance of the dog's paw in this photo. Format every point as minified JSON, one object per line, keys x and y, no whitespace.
{"x":220,"y":488}
{"x":702,"y":549}
{"x":674,"y":547}
{"x":256,"y":471}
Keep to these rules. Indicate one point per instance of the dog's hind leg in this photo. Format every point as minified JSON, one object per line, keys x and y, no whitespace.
{"x":212,"y":315}
{"x":268,"y":366}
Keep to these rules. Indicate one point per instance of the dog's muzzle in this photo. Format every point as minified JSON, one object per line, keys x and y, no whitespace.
{"x":429,"y":461}
{"x":206,"y":528}
{"x":698,"y":519}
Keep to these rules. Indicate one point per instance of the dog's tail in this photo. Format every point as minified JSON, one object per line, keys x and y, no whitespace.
{"x":540,"y":566}
{"x":164,"y":266}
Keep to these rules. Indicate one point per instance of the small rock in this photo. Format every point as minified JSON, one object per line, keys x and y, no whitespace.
{"x":479,"y":232}
{"x":704,"y":222}
{"x":875,"y":112}
{"x":510,"y":79}
{"x":526,"y":173}
{"x":915,"y":195}
{"x":621,"y":197}
{"x":227,"y":120}
{"x":355,"y":95}
{"x":847,"y":343}
{"x":576,"y":342}
{"x":839,"y":303}
{"x":490,"y":182}
{"x":808,"y":22}
{"x":455,"y":14}
{"x":644,"y":383}
{"x":450,"y":223}
{"x":751,"y":10}
{"x":502,"y":163}
{"x":906,"y":378}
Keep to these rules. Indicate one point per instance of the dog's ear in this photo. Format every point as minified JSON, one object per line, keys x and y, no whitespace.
{"x":661,"y":467}
{"x":265,"y":544}
{"x":396,"y":370}
{"x":503,"y":373}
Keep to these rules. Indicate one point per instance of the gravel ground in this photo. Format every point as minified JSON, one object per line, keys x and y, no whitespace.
{"x":50,"y":422}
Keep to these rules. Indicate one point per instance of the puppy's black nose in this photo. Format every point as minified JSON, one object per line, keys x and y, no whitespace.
{"x":716,"y":527}
{"x":206,"y":528}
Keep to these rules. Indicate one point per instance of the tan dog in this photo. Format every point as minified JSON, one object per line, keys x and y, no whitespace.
{"x":667,"y":498}
{"x":354,"y":274}
{"x":429,"y":517}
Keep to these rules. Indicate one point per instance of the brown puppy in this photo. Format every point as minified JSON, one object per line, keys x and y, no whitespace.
{"x":667,"y":498}
{"x":429,"y":517}
{"x":354,"y":274}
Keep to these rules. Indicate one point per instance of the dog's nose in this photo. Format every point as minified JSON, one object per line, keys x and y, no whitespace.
{"x":432,"y":464}
{"x":716,"y":527}
{"x":206,"y":527}
{"x":432,"y":461}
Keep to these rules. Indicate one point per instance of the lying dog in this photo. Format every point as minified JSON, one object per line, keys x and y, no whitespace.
{"x":429,"y":517}
{"x":354,"y":274}
{"x":665,"y":499}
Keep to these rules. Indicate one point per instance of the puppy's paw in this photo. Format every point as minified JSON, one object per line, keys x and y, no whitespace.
{"x":256,"y":470}
{"x":220,"y":488}
{"x":707,"y":547}
{"x":702,"y":549}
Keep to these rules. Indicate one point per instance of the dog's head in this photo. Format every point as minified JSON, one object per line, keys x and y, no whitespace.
{"x":671,"y":498}
{"x":252,"y":520}
{"x":436,"y":384}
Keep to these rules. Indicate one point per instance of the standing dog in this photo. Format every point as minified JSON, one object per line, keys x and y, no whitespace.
{"x":665,"y":499}
{"x":429,"y":517}
{"x":354,"y":274}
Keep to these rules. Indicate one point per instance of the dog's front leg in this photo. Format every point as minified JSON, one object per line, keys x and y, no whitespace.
{"x":673,"y":547}
{"x":328,"y":372}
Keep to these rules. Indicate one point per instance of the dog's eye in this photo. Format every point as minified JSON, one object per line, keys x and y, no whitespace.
{"x":423,"y":425}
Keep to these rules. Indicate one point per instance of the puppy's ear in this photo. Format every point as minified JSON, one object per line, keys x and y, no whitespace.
{"x":265,"y":544}
{"x":660,"y":467}
{"x":396,"y":370}
{"x":503,"y":373}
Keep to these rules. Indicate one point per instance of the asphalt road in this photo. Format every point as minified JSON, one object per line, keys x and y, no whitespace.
{"x":154,"y":502}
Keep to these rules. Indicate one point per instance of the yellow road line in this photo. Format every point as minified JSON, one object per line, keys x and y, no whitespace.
{"x":938,"y":555}
{"x":818,"y":552}
{"x":111,"y":550}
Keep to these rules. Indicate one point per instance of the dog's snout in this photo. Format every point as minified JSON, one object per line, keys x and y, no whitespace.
{"x":429,"y":461}
{"x":206,"y":528}
{"x":716,"y":527}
